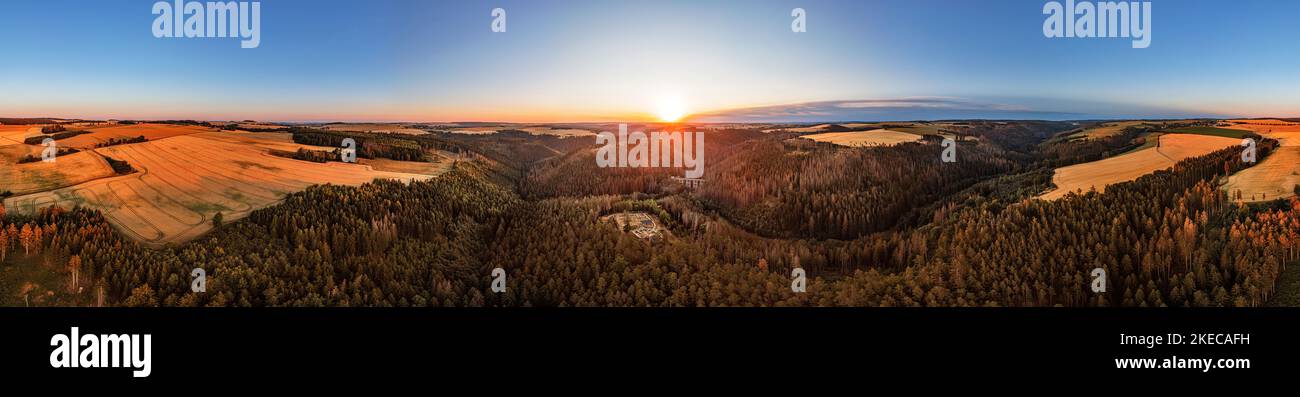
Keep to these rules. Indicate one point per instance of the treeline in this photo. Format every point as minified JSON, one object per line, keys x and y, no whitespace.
{"x":27,"y":121}
{"x":30,"y":158}
{"x":369,"y":146}
{"x":184,"y":122}
{"x":121,"y":141}
{"x":315,"y":156}
{"x":238,"y":127}
{"x":37,"y":140}
{"x":119,"y":166}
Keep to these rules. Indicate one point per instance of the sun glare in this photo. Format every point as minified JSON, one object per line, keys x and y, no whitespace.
{"x":671,"y":109}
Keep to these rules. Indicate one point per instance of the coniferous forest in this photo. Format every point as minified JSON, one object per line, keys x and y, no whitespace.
{"x":872,"y":226}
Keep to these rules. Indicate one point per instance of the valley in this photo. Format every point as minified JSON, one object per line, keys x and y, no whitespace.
{"x":421,"y":216}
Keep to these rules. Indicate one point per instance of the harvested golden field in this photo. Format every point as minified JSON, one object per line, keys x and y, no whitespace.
{"x":149,"y":131}
{"x":801,"y":130}
{"x":1099,"y":174}
{"x":1107,"y":129}
{"x":67,"y":170}
{"x":408,"y":167}
{"x":1277,"y":128}
{"x":879,"y":137}
{"x":265,"y":140}
{"x":184,"y":180}
{"x":1278,"y":174}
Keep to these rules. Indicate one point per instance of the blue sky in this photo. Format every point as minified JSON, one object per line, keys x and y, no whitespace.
{"x":625,"y":60}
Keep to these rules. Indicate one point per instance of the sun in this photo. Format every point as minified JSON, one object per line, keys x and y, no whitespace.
{"x":670,"y":109}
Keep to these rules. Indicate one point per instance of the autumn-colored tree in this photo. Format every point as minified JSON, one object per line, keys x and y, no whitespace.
{"x":74,"y":266}
{"x":4,"y":243}
{"x":27,"y":238}
{"x":142,"y":296}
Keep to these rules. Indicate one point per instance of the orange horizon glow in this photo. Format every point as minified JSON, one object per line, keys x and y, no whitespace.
{"x":664,"y":109}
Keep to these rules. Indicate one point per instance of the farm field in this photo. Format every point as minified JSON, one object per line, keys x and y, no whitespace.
{"x":407,"y":167}
{"x":1130,"y":166}
{"x":260,"y":126}
{"x":40,"y":176}
{"x":1271,"y":128}
{"x":1106,"y":129}
{"x":878,"y":137}
{"x":265,"y":140}
{"x":14,"y":134}
{"x":184,"y":180}
{"x":940,"y":129}
{"x":1278,"y":174}
{"x":149,"y":131}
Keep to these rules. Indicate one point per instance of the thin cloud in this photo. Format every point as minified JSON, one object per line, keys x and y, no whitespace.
{"x":911,"y":108}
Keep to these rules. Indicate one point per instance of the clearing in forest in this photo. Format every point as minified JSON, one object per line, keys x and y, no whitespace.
{"x":1126,"y":167}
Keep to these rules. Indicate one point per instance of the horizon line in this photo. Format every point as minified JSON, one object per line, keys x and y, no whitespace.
{"x":827,"y":121}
